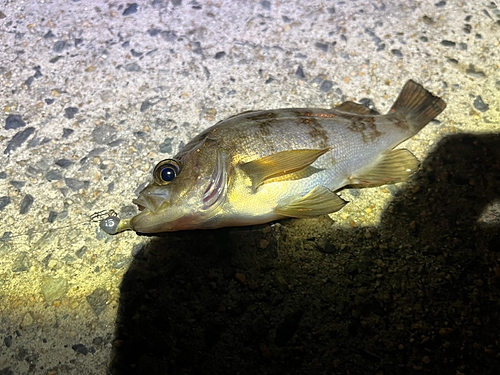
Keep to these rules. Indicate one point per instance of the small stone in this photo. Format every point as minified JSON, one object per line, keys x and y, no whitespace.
{"x":131,"y":9}
{"x":4,"y":202}
{"x":67,"y":132}
{"x":70,"y":112}
{"x":220,"y":55}
{"x":27,"y":320}
{"x":104,"y":134}
{"x":98,"y":340}
{"x":14,"y":122}
{"x":154,"y":32}
{"x":63,"y":163}
{"x":59,"y":46}
{"x":8,"y":341}
{"x":97,"y":300}
{"x":53,"y":176}
{"x":263,"y":243}
{"x":81,"y":252}
{"x":135,"y":53}
{"x":326,"y":86}
{"x":240,"y":277}
{"x":21,"y":263}
{"x":54,"y":288}
{"x":266,"y":5}
{"x":426,"y":359}
{"x":440,"y":4}
{"x":321,"y":46}
{"x":26,"y":204}
{"x":49,"y":101}
{"x":480,"y":105}
{"x":18,"y":140}
{"x":75,"y":184}
{"x":166,"y":146}
{"x":78,"y":41}
{"x":80,"y":348}
{"x":397,"y":53}
{"x":132,"y":67}
{"x":448,"y":43}
{"x":300,"y":73}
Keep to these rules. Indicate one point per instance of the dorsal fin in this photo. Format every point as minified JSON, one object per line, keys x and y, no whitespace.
{"x":357,"y":108}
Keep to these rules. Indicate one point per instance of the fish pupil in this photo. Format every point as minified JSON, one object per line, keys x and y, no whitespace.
{"x":167,"y":174}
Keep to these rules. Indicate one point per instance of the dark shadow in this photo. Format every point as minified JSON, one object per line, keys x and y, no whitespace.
{"x":417,"y":294}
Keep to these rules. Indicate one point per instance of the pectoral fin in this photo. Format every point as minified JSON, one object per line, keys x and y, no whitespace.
{"x":279,"y":164}
{"x":319,"y":201}
{"x":395,"y":166}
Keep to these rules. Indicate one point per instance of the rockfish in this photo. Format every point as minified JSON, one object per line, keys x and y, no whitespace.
{"x":260,"y":166}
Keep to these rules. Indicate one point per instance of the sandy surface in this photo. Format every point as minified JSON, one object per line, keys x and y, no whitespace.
{"x":405,"y":279}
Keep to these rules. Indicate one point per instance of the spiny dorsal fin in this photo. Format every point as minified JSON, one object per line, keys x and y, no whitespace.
{"x":396,"y":165}
{"x":279,"y":164}
{"x":357,"y":108}
{"x":319,"y":201}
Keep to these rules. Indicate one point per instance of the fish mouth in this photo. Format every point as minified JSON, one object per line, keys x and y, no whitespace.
{"x":150,"y":200}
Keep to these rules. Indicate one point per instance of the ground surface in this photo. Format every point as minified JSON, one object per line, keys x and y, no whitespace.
{"x":404,"y":280}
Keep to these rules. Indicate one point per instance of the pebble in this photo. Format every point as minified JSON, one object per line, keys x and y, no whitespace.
{"x":63,"y":163}
{"x":21,"y":263}
{"x":54,"y":288}
{"x":59,"y":46}
{"x":166,"y":146}
{"x":70,"y":112}
{"x":75,"y":184}
{"x":104,"y":134}
{"x":266,"y":5}
{"x":18,"y":139}
{"x":4,"y":202}
{"x":26,"y":204}
{"x":80,"y":348}
{"x":48,"y":35}
{"x":220,"y":55}
{"x":300,"y":73}
{"x":49,"y":101}
{"x":131,"y":9}
{"x":97,"y":300}
{"x":154,"y":32}
{"x":240,"y":277}
{"x":53,"y":176}
{"x":471,"y":70}
{"x":480,"y":105}
{"x":132,"y":67}
{"x":321,"y":46}
{"x":326,"y":86}
{"x":397,"y":53}
{"x":81,"y":252}
{"x":67,"y":132}
{"x":27,"y":321}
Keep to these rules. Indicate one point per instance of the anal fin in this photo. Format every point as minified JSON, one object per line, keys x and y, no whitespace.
{"x":319,"y":201}
{"x":396,"y":165}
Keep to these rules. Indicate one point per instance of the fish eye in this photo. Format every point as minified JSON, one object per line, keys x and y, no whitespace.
{"x":166,"y":170}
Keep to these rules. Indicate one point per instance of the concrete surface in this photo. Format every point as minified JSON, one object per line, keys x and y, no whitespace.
{"x":95,"y":93}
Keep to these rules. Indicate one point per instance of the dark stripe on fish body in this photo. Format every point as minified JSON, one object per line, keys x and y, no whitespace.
{"x":317,"y":132}
{"x":366,"y":126}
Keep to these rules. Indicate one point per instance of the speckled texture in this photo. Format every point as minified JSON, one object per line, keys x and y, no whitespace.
{"x":405,"y":279}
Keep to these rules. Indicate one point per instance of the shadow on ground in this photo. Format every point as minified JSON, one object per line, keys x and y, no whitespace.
{"x":418,"y":294}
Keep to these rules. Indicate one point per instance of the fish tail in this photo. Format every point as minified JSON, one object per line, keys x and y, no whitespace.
{"x":417,"y":105}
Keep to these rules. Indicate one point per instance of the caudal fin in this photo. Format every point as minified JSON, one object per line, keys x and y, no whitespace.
{"x":417,"y":105}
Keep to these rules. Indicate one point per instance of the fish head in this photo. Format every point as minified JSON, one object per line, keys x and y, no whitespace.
{"x":186,"y":191}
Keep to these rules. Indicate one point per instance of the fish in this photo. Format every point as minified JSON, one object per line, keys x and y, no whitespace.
{"x":259,"y":166}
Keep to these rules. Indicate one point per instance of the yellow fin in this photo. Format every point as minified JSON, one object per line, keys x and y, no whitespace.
{"x":357,"y":108}
{"x":395,"y":166}
{"x":279,"y":164}
{"x":319,"y":201}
